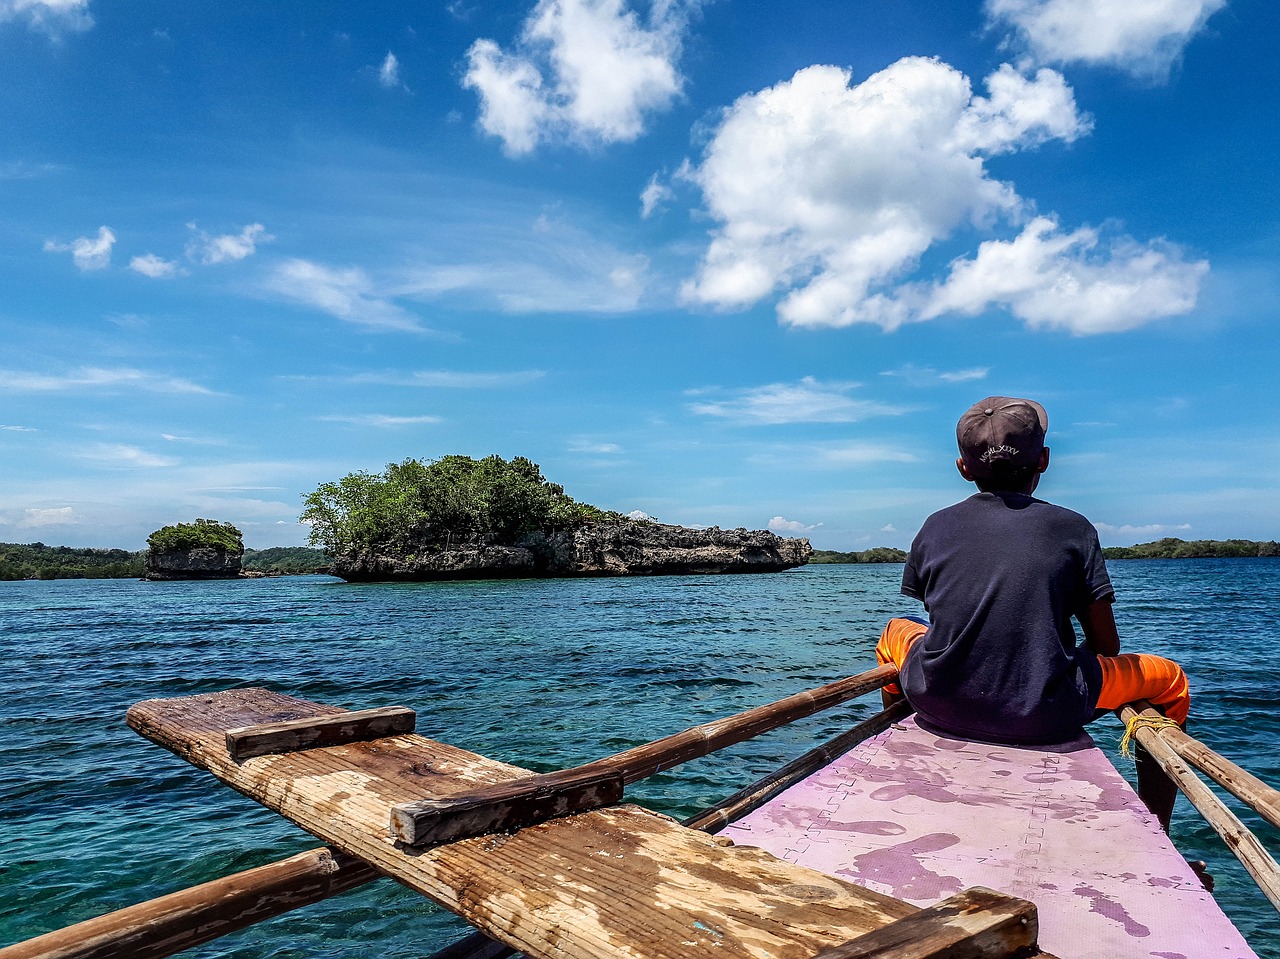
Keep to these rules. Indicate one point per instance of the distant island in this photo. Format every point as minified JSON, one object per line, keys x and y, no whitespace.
{"x":1171,"y":548}
{"x":38,"y":561}
{"x":878,"y":554}
{"x":463,"y":518}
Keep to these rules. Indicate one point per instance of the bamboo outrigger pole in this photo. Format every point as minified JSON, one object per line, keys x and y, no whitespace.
{"x":1239,"y":839}
{"x":169,"y":924}
{"x":187,"y":918}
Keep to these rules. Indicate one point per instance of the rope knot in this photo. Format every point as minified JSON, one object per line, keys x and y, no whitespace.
{"x":1142,"y":722}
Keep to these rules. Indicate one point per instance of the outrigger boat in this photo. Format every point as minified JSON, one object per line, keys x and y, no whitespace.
{"x":888,"y":841}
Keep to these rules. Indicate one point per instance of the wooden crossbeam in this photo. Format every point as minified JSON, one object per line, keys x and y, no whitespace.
{"x":542,"y":797}
{"x":977,"y":923}
{"x":311,"y":732}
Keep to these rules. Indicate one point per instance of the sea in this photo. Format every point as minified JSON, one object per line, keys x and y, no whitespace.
{"x":541,"y":673}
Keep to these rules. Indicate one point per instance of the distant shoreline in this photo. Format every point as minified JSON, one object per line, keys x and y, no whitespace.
{"x":38,"y":561}
{"x":1168,"y":548}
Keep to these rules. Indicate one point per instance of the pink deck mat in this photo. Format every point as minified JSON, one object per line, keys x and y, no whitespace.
{"x":921,"y":817}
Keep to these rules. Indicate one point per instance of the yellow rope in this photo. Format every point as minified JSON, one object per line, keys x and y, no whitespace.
{"x":1142,"y":722}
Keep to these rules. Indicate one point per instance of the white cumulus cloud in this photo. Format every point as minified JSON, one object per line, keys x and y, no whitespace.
{"x":1143,"y":38}
{"x":808,"y":401}
{"x":122,"y":455}
{"x":1071,"y":281}
{"x":86,"y":252}
{"x":829,"y":194}
{"x":780,"y":525}
{"x":346,"y":293}
{"x":156,"y":267}
{"x":1131,"y":534}
{"x":227,"y":247}
{"x":585,"y":71}
{"x":53,"y":17}
{"x":56,"y":516}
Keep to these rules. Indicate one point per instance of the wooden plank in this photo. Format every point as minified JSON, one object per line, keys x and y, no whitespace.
{"x":160,"y":927}
{"x":616,"y":881}
{"x":310,"y":732}
{"x":977,"y":923}
{"x":476,"y":813}
{"x":504,"y":806}
{"x":1238,"y":837}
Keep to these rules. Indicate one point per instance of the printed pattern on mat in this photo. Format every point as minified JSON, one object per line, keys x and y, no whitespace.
{"x":921,"y":817}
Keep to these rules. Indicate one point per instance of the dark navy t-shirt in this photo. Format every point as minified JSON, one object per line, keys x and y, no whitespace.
{"x":1001,"y":575}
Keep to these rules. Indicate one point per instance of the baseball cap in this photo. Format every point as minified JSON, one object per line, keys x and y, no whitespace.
{"x":1001,"y":433}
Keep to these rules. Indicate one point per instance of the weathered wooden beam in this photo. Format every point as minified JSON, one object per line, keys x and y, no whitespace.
{"x":524,"y":802}
{"x":311,"y":732}
{"x":1239,"y":839}
{"x":482,"y":812}
{"x":975,"y":924}
{"x":762,"y":790}
{"x":161,"y":927}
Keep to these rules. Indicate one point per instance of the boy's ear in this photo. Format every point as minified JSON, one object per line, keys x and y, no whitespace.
{"x":1044,"y":460}
{"x":964,"y":470}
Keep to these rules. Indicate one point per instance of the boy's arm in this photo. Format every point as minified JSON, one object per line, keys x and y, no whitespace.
{"x":1099,"y":624}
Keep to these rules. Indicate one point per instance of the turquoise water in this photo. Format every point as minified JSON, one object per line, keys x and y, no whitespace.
{"x":540,"y":673}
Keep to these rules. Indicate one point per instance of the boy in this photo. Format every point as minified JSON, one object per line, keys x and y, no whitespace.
{"x":1001,"y":575}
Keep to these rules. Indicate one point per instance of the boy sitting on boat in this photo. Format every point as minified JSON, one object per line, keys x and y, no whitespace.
{"x":1001,"y":574}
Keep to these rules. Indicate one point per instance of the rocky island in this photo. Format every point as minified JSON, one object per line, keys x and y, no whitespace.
{"x":461,"y":518}
{"x":205,"y":549}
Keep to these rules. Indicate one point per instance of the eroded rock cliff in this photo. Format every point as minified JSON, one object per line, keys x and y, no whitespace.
{"x":605,"y":549}
{"x":200,"y":562}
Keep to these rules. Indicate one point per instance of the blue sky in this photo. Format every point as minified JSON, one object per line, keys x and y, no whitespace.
{"x":729,"y":263}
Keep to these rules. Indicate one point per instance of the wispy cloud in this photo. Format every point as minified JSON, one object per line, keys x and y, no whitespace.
{"x":96,"y":378}
{"x":51,"y":17}
{"x":228,"y":247}
{"x":18,"y":429}
{"x":582,"y":71}
{"x":546,"y":265}
{"x":808,"y":401}
{"x":599,"y":449}
{"x":389,"y":72}
{"x":379,"y":420}
{"x":921,"y":376}
{"x":87,"y":253}
{"x":346,"y":293}
{"x":1144,"y":39}
{"x":840,"y":455}
{"x":445,"y":379}
{"x":124,"y":456}
{"x":156,"y":267}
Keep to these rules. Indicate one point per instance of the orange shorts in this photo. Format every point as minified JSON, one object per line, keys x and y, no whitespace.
{"x":1125,"y":678}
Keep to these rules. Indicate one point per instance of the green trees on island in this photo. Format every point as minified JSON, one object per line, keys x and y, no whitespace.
{"x":877,"y":554}
{"x":414,"y":505}
{"x":38,"y":561}
{"x":1173,"y":548}
{"x":202,"y":533}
